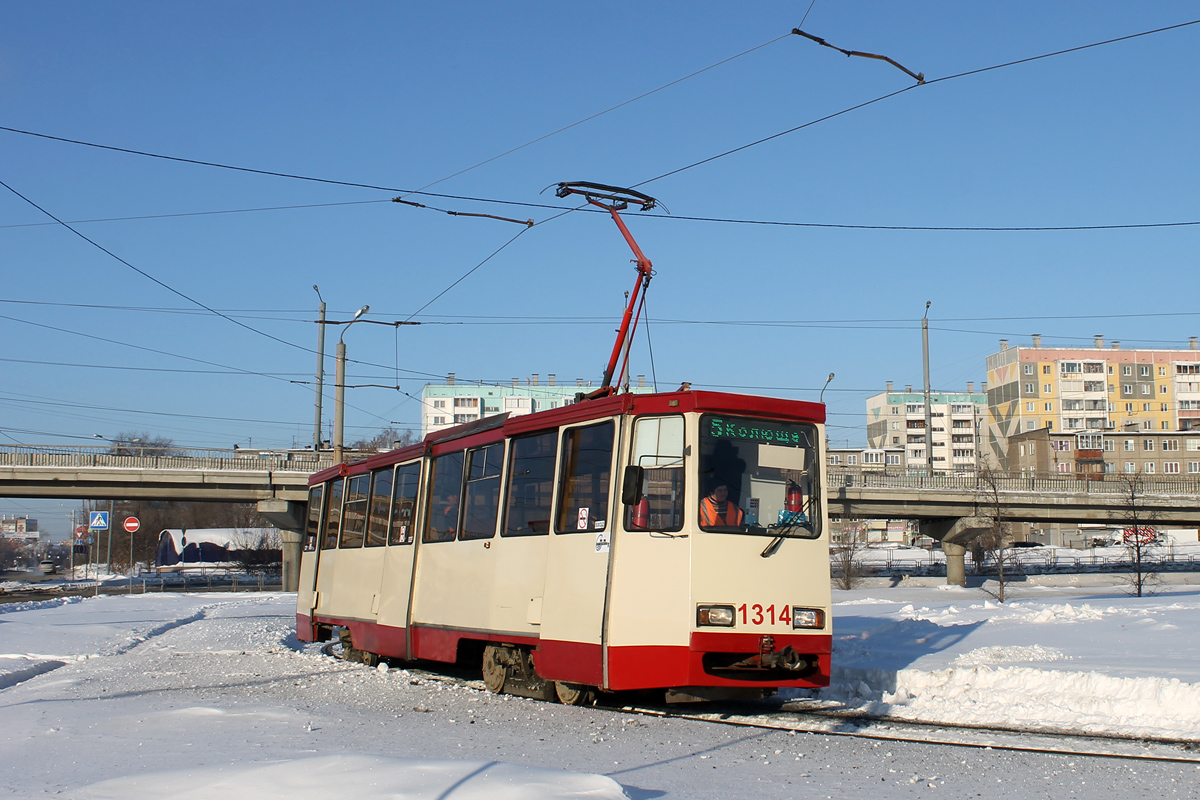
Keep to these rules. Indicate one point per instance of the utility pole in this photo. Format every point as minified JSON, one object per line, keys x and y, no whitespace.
{"x":320,"y":367}
{"x":339,"y":386}
{"x":928,"y":409}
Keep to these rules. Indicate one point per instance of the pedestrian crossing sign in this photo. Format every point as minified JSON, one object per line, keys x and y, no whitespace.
{"x":98,"y":520}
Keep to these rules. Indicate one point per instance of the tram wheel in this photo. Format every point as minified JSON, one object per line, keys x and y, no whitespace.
{"x":574,"y":694}
{"x":495,"y":671}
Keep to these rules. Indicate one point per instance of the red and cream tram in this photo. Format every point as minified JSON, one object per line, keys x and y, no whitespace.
{"x":673,"y":541}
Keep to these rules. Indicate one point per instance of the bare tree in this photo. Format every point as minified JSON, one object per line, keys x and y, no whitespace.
{"x":992,"y":542}
{"x":386,"y":439}
{"x":132,"y":443}
{"x":1140,"y":537}
{"x":256,"y":551}
{"x":845,"y":556}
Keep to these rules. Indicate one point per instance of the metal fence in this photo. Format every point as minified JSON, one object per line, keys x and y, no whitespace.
{"x":94,"y":457}
{"x":1039,"y":561}
{"x":1053,"y":482}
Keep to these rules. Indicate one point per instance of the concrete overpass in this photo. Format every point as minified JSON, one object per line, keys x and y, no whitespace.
{"x":954,"y":509}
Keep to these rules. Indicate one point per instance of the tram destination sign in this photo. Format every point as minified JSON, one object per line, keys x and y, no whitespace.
{"x":753,"y":431}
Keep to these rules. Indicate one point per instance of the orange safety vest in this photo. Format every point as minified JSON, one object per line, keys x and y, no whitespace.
{"x":710,"y":515}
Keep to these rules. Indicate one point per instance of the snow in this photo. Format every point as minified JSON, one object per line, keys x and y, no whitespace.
{"x":203,"y":695}
{"x":1081,"y":660}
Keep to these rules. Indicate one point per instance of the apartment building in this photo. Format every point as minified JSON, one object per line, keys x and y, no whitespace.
{"x":1072,"y":390}
{"x":455,"y":403}
{"x":897,"y":420}
{"x":1090,"y":454}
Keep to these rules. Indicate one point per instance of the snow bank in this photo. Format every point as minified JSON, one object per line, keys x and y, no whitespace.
{"x":363,"y":778}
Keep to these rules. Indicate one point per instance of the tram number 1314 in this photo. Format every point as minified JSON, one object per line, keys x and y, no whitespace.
{"x":757,"y":615}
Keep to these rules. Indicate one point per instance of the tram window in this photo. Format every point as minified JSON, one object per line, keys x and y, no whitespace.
{"x":354,"y":517}
{"x":381,"y":500}
{"x":658,"y":450}
{"x":333,"y":514}
{"x":769,"y":472}
{"x":408,"y":480}
{"x":530,"y":485}
{"x":481,"y":504}
{"x":587,"y":468}
{"x":313,"y":525}
{"x":442,"y":519}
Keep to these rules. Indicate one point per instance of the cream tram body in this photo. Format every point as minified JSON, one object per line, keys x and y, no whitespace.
{"x":569,"y":543}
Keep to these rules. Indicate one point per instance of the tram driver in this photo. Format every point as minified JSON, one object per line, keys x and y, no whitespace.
{"x":717,"y":510}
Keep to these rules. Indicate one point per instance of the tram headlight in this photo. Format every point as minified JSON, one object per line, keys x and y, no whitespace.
{"x":807,"y":617}
{"x":721,"y":616}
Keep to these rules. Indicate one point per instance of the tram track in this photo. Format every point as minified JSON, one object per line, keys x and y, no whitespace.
{"x":812,"y":717}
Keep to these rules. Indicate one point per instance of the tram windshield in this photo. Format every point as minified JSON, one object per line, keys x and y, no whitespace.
{"x":759,"y":476}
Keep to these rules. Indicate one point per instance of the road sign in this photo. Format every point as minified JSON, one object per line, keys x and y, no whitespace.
{"x":98,"y":520}
{"x":90,"y":539}
{"x":132,"y":524}
{"x":79,"y":529}
{"x":1142,"y":535}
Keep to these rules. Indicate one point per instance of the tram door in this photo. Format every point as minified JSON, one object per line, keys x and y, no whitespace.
{"x":395,"y":582}
{"x":307,"y":585}
{"x":577,"y":562}
{"x":326,"y":560}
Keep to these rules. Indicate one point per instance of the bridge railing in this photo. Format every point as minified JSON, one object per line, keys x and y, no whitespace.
{"x":970,"y":482}
{"x":93,"y":457}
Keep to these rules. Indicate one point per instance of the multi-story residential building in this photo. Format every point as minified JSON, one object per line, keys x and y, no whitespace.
{"x":1070,"y":390}
{"x":454,"y":403}
{"x":897,"y":420}
{"x":1090,"y":454}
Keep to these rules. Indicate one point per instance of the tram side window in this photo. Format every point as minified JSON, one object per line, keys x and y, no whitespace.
{"x":587,"y":469}
{"x":658,"y":450}
{"x":530,"y":485}
{"x":354,"y":517}
{"x":407,"y":482}
{"x":381,"y":501}
{"x":445,"y":488}
{"x":333,"y":514}
{"x":313,"y":525}
{"x":482,"y":501}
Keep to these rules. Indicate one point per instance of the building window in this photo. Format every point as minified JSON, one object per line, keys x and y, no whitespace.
{"x":1060,"y":446}
{"x":439,"y":420}
{"x":895,"y":440}
{"x":1129,"y":408}
{"x":1166,"y":426}
{"x":834,"y":460}
{"x":1126,"y":388}
{"x":1069,"y":367}
{"x":1193,"y":445}
{"x":1109,"y":445}
{"x":1164,"y":406}
{"x":1145,"y":406}
{"x":1144,"y":371}
{"x":1147,"y":425}
{"x":1171,"y":467}
{"x":1063,"y":466}
{"x":1129,"y":446}
{"x":1127,"y":370}
{"x":1111,"y":388}
{"x":1148,"y":444}
{"x":1030,"y":425}
{"x":1046,"y":369}
{"x":895,"y":425}
{"x":873,"y":458}
{"x":1047,"y":388}
{"x":1029,"y":369}
{"x":1193,"y":467}
{"x":459,"y":419}
{"x":439,"y":403}
{"x":1049,"y":406}
{"x":1093,"y":386}
{"x":1149,"y":468}
{"x":1130,"y":467}
{"x":851,"y":461}
{"x":893,"y":459}
{"x":1162,"y":370}
{"x":1029,"y":406}
{"x":1030,"y":388}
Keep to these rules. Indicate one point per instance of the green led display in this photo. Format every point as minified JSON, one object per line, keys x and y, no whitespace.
{"x":752,"y":431}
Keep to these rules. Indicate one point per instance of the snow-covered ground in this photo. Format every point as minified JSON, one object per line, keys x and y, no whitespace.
{"x":206,"y":695}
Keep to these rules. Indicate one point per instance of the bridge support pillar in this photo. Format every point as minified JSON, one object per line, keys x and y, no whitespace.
{"x":291,"y":559}
{"x":289,"y":517}
{"x":956,"y":563}
{"x":955,"y":533}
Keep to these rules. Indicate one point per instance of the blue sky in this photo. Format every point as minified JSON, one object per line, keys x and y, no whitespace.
{"x":405,"y":95}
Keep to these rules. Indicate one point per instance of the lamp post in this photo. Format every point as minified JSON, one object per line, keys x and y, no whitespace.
{"x":928,"y":410}
{"x":829,"y":380}
{"x":320,"y":367}
{"x":339,"y":399}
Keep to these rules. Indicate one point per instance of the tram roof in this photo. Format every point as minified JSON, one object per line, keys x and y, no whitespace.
{"x":657,"y":403}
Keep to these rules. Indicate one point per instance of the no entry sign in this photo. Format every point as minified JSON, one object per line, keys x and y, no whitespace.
{"x":132,"y":524}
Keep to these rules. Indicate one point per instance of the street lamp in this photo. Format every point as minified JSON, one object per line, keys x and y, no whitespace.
{"x":320,"y":366}
{"x":829,"y":380}
{"x":339,"y":400}
{"x":928,"y":410}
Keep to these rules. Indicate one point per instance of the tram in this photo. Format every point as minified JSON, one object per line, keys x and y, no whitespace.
{"x":672,"y":542}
